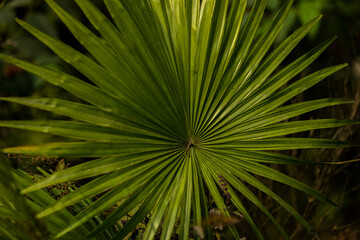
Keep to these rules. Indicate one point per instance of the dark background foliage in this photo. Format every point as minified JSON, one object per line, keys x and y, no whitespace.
{"x":340,"y":182}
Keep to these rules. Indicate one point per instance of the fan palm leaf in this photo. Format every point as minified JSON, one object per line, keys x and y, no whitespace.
{"x":182,"y":96}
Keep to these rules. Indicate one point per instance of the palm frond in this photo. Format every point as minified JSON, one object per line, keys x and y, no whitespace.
{"x":181,"y":95}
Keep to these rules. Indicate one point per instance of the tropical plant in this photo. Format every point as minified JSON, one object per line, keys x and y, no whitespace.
{"x":184,"y":108}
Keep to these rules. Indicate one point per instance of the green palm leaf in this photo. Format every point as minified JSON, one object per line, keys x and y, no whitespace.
{"x":181,"y":92}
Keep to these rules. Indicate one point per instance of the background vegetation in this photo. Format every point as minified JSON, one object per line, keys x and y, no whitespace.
{"x":340,"y":182}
